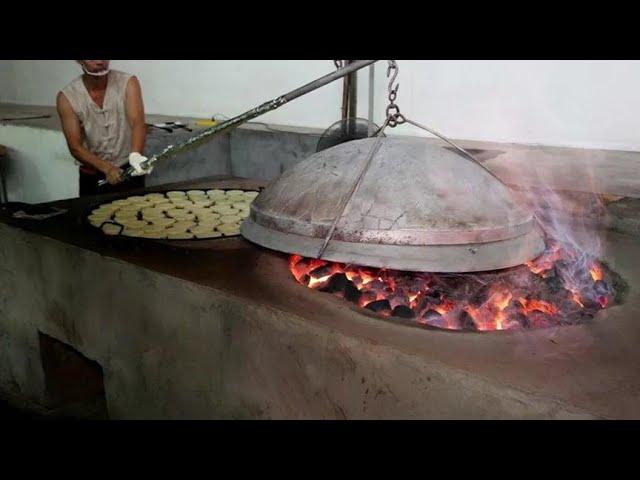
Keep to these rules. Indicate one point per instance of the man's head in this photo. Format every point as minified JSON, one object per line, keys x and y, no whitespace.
{"x":95,"y":68}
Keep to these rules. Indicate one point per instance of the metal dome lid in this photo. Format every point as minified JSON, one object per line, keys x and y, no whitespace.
{"x":419,"y":207}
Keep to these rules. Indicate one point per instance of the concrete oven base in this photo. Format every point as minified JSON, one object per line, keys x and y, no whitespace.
{"x":226,"y":333}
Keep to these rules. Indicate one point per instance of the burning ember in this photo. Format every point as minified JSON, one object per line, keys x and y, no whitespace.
{"x":561,"y":287}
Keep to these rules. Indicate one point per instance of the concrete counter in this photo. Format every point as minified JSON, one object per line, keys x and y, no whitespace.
{"x":222,"y":330}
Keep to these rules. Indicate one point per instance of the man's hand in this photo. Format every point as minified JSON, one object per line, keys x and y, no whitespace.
{"x":136,"y":161}
{"x":113,"y":174}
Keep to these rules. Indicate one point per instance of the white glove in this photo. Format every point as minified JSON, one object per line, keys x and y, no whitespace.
{"x":136,"y":160}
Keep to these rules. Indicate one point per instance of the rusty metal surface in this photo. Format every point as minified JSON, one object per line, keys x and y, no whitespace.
{"x":415,"y":194}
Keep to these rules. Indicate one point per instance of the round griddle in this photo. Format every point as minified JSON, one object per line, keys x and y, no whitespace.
{"x":188,"y":243}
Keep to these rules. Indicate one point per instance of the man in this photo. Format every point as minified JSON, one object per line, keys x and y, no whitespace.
{"x":102,"y":115}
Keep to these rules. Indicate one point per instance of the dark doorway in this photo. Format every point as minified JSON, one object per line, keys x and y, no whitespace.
{"x":74,"y":383}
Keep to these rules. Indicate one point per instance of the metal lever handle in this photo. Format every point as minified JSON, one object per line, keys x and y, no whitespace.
{"x":257,"y":111}
{"x":126,"y":174}
{"x":460,"y":149}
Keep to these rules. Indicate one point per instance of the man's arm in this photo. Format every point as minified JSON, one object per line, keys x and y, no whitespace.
{"x":134,"y":108}
{"x":73,"y":134}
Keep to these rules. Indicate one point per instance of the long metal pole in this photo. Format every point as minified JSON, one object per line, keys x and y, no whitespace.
{"x":353,"y":95}
{"x":207,"y":134}
{"x":345,"y":95}
{"x":371,"y":85}
{"x":349,"y":101}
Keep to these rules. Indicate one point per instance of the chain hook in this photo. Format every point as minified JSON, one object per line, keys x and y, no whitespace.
{"x":394,"y":116}
{"x":393,"y":66}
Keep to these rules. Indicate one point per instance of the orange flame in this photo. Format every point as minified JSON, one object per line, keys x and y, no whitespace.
{"x":413,"y":303}
{"x":491,"y":315}
{"x":529,"y":306}
{"x":401,"y":289}
{"x":575,"y":296}
{"x":445,"y":307}
{"x":501,"y":301}
{"x":545,"y":261}
{"x":596,"y":272}
{"x":314,"y":282}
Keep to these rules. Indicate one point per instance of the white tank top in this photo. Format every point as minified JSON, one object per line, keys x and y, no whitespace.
{"x":105,"y":131}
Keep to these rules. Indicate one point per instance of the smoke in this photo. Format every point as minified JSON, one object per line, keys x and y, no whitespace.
{"x":565,"y":285}
{"x":569,"y":220}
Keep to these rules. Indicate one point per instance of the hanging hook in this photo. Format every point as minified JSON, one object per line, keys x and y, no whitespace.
{"x":393,"y":111}
{"x":393,"y":66}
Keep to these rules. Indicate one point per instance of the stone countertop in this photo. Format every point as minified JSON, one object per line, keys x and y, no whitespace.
{"x":586,"y":371}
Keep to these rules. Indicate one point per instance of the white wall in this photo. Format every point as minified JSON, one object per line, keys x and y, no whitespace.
{"x":590,"y":104}
{"x":40,"y":168}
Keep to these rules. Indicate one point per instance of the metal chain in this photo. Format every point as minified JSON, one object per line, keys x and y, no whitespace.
{"x":394,"y":117}
{"x":339,"y":64}
{"x":347,"y":199}
{"x":460,"y":149}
